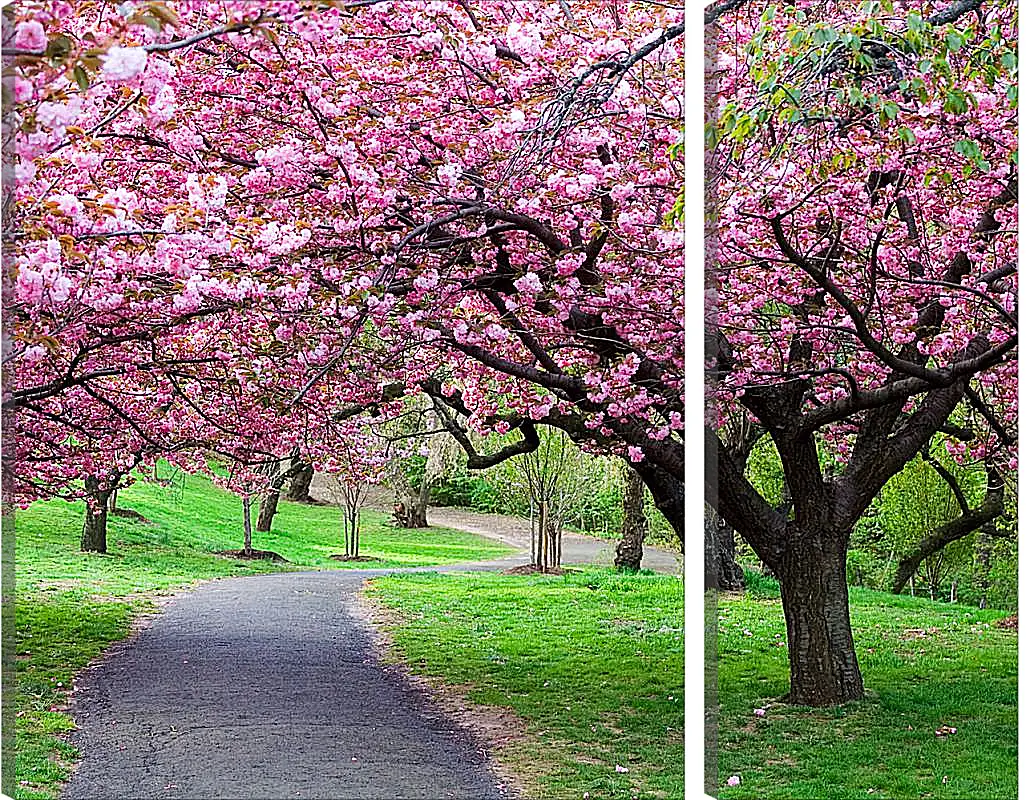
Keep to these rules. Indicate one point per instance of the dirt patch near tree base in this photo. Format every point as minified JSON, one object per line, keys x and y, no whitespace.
{"x":254,"y":555}
{"x":128,"y":513}
{"x":534,"y":569}
{"x":492,"y":727}
{"x":342,"y":557}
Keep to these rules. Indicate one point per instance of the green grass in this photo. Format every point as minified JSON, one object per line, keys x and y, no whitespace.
{"x":925,"y":664}
{"x":591,"y":662}
{"x":70,"y":606}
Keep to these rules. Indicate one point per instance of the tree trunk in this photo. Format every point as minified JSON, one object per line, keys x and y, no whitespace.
{"x":299,"y":488}
{"x":414,"y":511}
{"x":722,"y":571}
{"x":629,"y":549}
{"x":247,"y":527}
{"x":535,"y":559}
{"x":553,"y":551}
{"x":269,"y":501}
{"x":411,"y":504}
{"x":667,"y":493}
{"x":814,"y":589}
{"x":543,"y":540}
{"x":268,"y":508}
{"x":112,"y":500}
{"x":94,"y":529}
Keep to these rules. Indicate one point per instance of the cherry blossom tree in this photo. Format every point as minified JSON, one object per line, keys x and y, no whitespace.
{"x":300,"y":202}
{"x":864,"y":183}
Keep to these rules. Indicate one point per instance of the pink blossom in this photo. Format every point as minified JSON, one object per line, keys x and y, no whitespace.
{"x":22,"y":89}
{"x":734,"y":780}
{"x":124,"y":63}
{"x":496,"y":332}
{"x":426,"y":280}
{"x":30,"y":36}
{"x":529,"y":283}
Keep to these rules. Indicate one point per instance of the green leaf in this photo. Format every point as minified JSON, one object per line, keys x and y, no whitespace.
{"x":967,"y":148}
{"x":824,"y":35}
{"x":81,"y":77}
{"x":58,"y":48}
{"x":956,"y":102}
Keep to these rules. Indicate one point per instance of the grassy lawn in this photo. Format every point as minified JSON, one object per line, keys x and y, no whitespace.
{"x":925,"y":665}
{"x":591,"y":662}
{"x":70,"y":606}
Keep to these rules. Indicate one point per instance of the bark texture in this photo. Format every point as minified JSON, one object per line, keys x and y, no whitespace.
{"x":268,"y":508}
{"x":629,"y":550}
{"x":94,"y":529}
{"x":269,"y":502}
{"x":299,"y":488}
{"x":411,"y":509}
{"x":814,"y":589}
{"x":721,"y":568}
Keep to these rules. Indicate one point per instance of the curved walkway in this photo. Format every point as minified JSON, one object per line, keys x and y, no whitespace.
{"x":516,"y":532}
{"x":265,"y":687}
{"x":577,"y":549}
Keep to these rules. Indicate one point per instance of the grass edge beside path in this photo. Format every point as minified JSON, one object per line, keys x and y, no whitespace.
{"x":491,"y":728}
{"x":585,"y":672}
{"x":71,"y":607}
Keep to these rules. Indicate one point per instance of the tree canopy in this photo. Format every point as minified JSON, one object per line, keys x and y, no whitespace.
{"x":236,"y":223}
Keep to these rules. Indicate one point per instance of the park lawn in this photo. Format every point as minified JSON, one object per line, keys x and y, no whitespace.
{"x":70,"y":606}
{"x":591,"y":662}
{"x":925,"y":665}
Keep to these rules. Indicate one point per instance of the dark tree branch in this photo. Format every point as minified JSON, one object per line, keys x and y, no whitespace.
{"x":968,"y":522}
{"x":717,"y":10}
{"x":953,"y":12}
{"x":475,"y":460}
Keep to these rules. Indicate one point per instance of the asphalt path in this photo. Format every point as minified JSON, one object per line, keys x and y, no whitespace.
{"x":577,"y":548}
{"x":265,"y":687}
{"x":268,"y":687}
